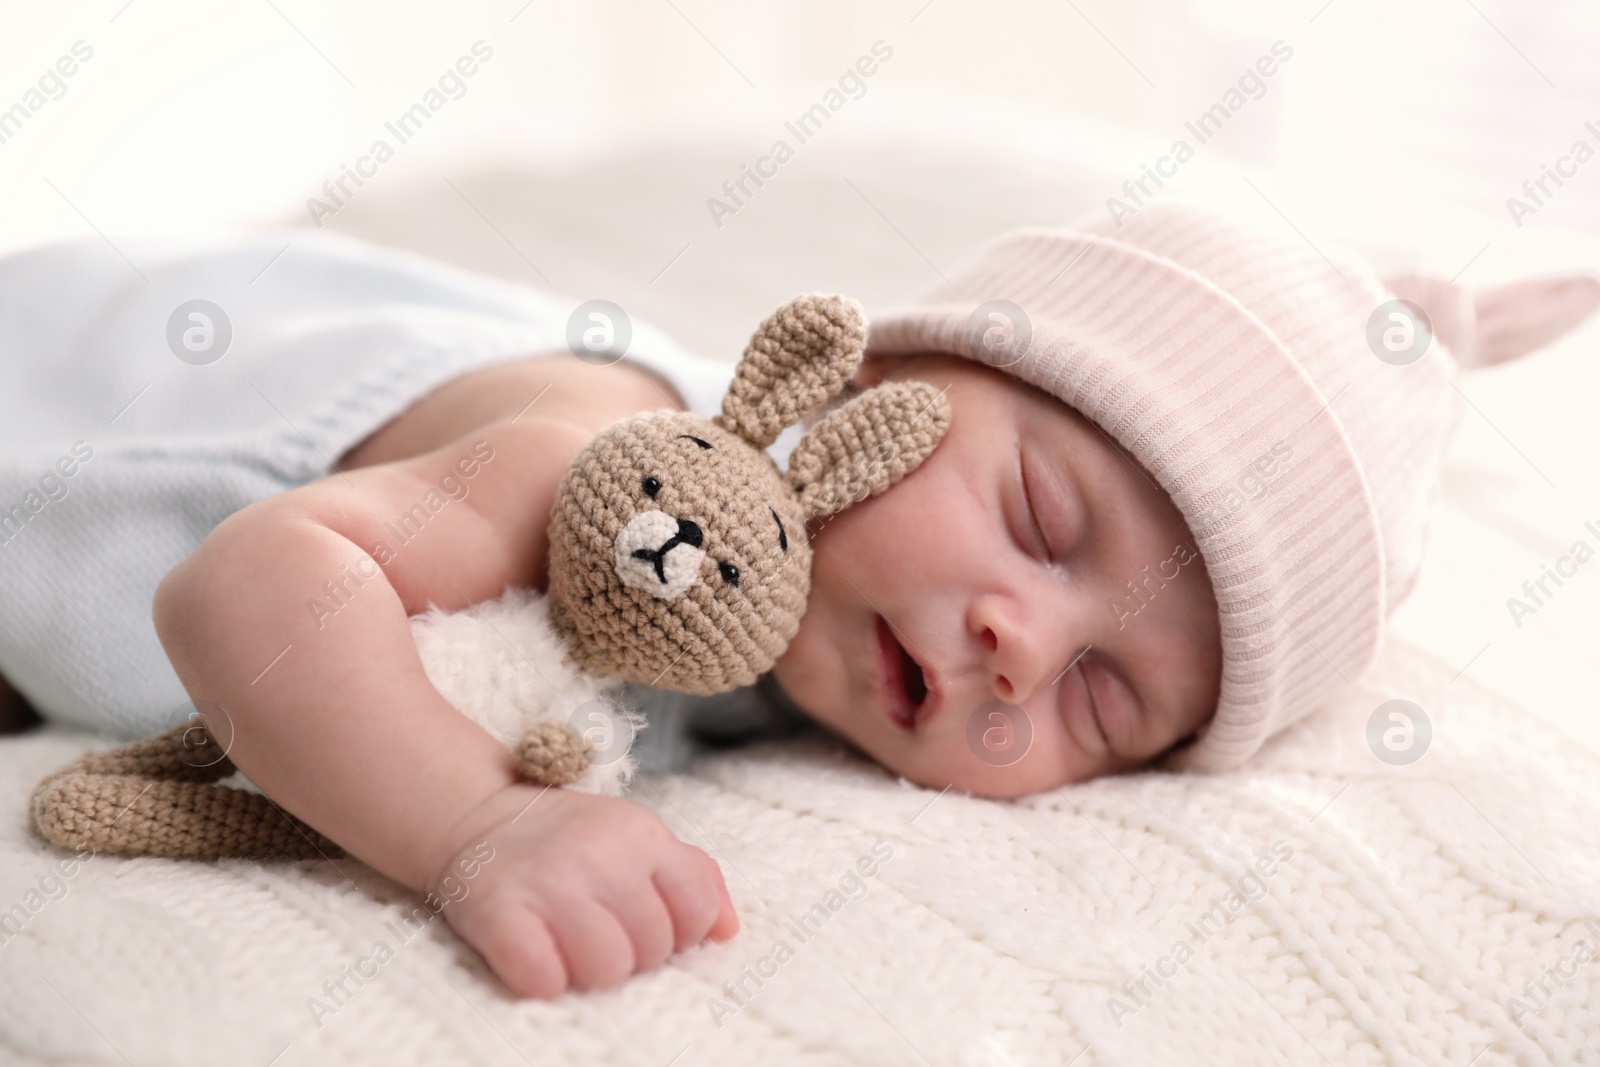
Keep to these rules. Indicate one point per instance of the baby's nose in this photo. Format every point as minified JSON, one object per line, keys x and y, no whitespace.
{"x":1018,"y":650}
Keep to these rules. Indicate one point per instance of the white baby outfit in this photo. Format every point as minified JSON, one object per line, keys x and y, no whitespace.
{"x":118,"y":454}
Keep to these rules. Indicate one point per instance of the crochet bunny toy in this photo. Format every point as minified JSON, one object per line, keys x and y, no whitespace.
{"x":679,"y":557}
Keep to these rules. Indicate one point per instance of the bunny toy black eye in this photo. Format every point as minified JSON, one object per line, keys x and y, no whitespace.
{"x":652,"y":486}
{"x":730,"y":573}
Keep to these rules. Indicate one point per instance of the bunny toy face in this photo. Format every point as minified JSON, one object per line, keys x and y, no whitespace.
{"x":692,"y":553}
{"x":679,"y":554}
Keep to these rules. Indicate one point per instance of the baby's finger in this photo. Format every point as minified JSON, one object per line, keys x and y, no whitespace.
{"x":522,"y":951}
{"x":644,"y":915}
{"x":691,"y":885}
{"x":597,"y":949}
{"x":727,"y":922}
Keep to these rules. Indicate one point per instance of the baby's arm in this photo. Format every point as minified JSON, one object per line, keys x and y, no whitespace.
{"x":333,"y":717}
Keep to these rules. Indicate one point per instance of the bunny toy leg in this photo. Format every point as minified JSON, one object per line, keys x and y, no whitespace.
{"x":155,"y":798}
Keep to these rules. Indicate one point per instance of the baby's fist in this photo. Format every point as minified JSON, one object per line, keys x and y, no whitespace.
{"x":580,"y":891}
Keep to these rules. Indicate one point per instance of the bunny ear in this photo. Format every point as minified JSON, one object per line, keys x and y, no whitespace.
{"x":799,"y":356}
{"x":1497,"y":325}
{"x":1525,"y":316}
{"x":867,"y":445}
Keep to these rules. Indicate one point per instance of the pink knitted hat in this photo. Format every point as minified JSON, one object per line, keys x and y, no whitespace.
{"x":1295,"y":408}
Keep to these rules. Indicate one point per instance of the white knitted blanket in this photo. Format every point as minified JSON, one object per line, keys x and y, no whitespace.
{"x":1320,"y":907}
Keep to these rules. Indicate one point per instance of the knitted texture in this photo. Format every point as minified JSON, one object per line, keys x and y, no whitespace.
{"x":800,"y":355}
{"x":154,"y":798}
{"x":864,"y":447}
{"x":553,"y":753}
{"x":679,"y":555}
{"x":719,"y":632}
{"x":1415,"y":905}
{"x":1212,"y":351}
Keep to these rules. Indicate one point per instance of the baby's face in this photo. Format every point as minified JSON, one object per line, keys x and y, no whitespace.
{"x":993,"y":566}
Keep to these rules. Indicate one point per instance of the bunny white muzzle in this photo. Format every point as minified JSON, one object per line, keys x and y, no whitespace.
{"x":660,"y":554}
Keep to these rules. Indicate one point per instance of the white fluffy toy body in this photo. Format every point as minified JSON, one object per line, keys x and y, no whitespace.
{"x":503,"y":666}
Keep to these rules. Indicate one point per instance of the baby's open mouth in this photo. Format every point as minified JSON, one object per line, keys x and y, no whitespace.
{"x":904,"y":687}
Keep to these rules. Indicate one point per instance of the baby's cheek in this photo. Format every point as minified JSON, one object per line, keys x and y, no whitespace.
{"x":890,"y":550}
{"x":808,"y":670}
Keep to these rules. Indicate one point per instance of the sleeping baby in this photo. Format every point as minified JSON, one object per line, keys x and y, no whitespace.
{"x":1184,"y":483}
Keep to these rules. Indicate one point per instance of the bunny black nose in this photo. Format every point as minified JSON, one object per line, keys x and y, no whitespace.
{"x":688,"y":534}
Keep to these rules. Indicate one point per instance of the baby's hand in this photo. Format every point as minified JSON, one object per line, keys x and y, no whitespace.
{"x":582,"y":891}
